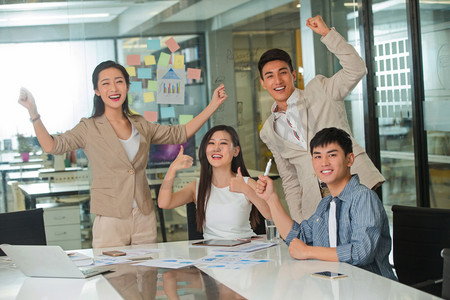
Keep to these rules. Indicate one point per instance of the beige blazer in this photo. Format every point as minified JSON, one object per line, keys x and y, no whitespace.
{"x":320,"y":105}
{"x":116,"y":180}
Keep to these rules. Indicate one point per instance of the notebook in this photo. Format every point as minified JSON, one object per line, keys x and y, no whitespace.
{"x":48,"y":261}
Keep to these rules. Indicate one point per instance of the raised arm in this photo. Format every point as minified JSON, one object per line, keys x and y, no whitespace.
{"x":46,"y":141}
{"x":238,"y":185}
{"x":318,"y":25}
{"x":353,"y":67}
{"x":167,"y":199}
{"x":265,"y":190}
{"x":196,"y":123}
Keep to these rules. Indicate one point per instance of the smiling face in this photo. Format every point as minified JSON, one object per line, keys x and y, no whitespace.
{"x":278,"y":80}
{"x":112,"y":88}
{"x":220,"y":150}
{"x":332,"y":166}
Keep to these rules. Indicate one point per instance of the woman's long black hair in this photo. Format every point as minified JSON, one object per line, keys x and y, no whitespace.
{"x":204,"y":188}
{"x":99,"y":106}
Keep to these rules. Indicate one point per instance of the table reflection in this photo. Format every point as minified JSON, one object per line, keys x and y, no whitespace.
{"x":141,"y":282}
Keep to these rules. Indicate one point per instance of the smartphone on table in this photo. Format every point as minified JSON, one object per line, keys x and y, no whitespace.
{"x":330,"y":275}
{"x":114,"y":253}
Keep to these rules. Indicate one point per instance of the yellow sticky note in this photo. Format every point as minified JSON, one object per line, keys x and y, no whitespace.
{"x":178,"y":62}
{"x":149,"y":60}
{"x":131,"y":71}
{"x":130,"y":99}
{"x":149,"y":97}
{"x":185,"y":118}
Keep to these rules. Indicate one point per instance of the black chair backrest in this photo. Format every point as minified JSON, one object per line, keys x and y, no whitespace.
{"x":446,"y":274}
{"x":24,"y":227}
{"x":419,"y":235}
{"x":260,"y":227}
{"x":193,"y":233}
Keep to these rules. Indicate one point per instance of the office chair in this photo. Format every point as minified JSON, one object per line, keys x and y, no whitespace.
{"x":24,"y":227}
{"x":419,"y":235}
{"x":193,"y":233}
{"x":446,"y":276}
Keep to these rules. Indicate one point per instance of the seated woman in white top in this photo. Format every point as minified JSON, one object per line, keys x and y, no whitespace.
{"x":227,"y":205}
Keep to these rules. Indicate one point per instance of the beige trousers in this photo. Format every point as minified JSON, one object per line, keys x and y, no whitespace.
{"x":113,"y":232}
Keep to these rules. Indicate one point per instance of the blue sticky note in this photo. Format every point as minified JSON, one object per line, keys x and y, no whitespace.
{"x":144,"y":73}
{"x":136,"y":86}
{"x":167,"y":112}
{"x":153,"y":45}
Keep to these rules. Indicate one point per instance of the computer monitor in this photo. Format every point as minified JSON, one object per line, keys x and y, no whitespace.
{"x":162,"y":155}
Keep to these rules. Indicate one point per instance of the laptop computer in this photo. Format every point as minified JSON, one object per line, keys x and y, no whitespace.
{"x":48,"y":261}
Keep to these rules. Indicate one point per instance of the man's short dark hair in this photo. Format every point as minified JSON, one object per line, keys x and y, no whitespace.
{"x":332,"y":135}
{"x":271,"y":55}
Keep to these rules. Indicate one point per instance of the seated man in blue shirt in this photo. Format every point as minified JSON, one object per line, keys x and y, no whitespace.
{"x":350,"y":225}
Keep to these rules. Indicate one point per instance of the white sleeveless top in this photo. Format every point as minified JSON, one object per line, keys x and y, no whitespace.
{"x":227,"y":214}
{"x":131,"y":146}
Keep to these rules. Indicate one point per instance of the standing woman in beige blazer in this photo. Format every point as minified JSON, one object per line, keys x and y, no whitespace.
{"x":116,"y":142}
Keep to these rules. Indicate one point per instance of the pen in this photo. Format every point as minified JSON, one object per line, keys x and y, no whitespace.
{"x":269,"y":164}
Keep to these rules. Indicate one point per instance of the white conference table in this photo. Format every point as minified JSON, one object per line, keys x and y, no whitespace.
{"x":281,"y":278}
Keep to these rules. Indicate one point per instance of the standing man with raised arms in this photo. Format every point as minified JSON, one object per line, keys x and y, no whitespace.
{"x":297,"y":115}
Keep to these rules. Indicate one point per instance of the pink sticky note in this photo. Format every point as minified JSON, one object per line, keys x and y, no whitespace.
{"x":193,"y":73}
{"x":134,"y":60}
{"x":172,"y":45}
{"x":151,"y":116}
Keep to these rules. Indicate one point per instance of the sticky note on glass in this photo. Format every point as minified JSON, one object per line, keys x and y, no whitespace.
{"x":185,"y":118}
{"x":167,"y":112}
{"x":151,"y":116}
{"x":153,"y":45}
{"x":130,"y":99}
{"x":149,"y":97}
{"x":193,"y":73}
{"x":133,"y":60}
{"x":178,"y":61}
{"x":144,"y":73}
{"x":149,"y":60}
{"x":152,"y":85}
{"x":172,"y":45}
{"x":164,"y":59}
{"x":131,"y":71}
{"x":136,"y":86}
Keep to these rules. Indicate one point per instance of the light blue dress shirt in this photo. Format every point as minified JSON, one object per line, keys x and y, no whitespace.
{"x":363,"y":237}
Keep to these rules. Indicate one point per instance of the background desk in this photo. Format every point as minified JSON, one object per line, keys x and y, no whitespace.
{"x":5,"y":169}
{"x":34,"y":191}
{"x":281,"y":278}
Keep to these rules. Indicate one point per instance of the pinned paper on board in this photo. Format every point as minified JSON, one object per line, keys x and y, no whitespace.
{"x":183,"y":119}
{"x":167,"y":112}
{"x":133,"y":60}
{"x":194,"y":73}
{"x":153,"y":45}
{"x":171,"y":85}
{"x":135,"y":87}
{"x":178,"y":61}
{"x":151,"y":116}
{"x":164,"y":59}
{"x":149,"y":97}
{"x":149,"y":60}
{"x":131,"y":71}
{"x":172,"y":45}
{"x":144,"y":73}
{"x":152,"y":85}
